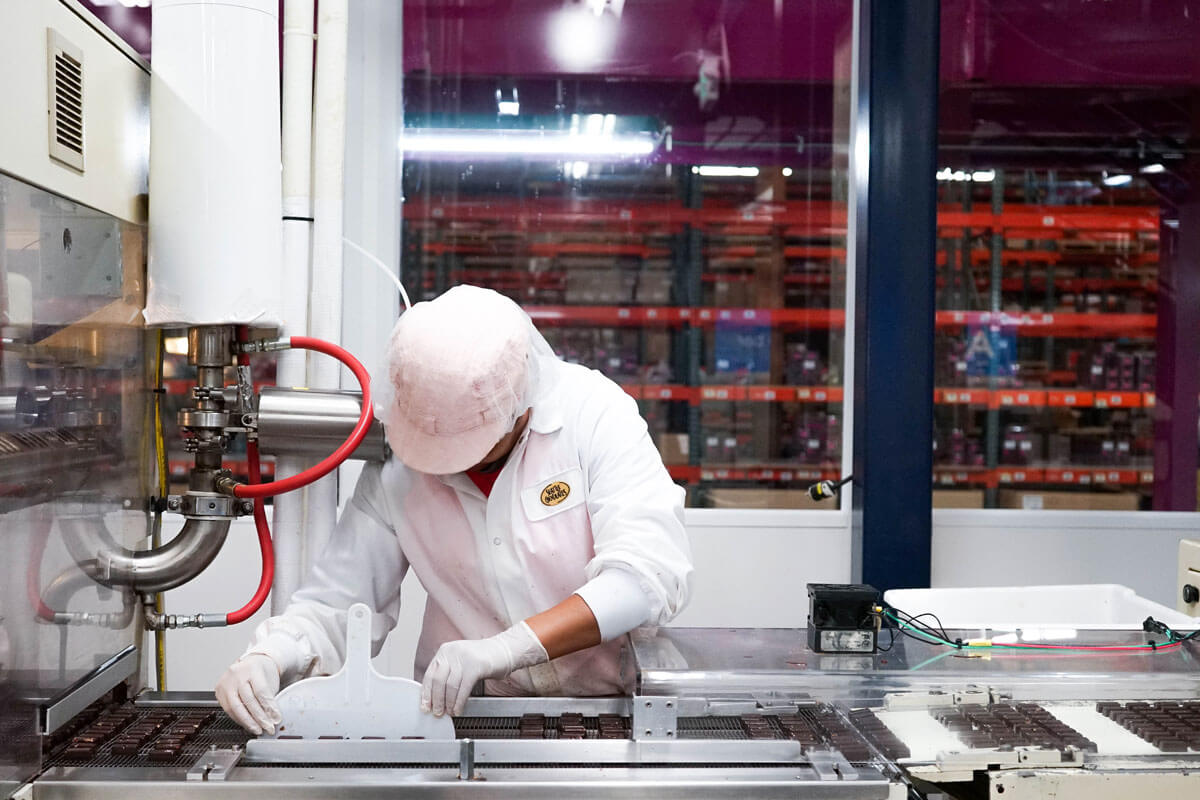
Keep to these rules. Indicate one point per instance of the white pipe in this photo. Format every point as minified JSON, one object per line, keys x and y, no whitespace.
{"x":214,"y":237}
{"x":289,"y":517}
{"x":325,"y":302}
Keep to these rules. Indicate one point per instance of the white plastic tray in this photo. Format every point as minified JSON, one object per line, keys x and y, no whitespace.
{"x":1101,"y":606}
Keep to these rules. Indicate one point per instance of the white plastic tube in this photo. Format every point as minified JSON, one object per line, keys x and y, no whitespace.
{"x":289,"y":509}
{"x":325,"y":300}
{"x":215,"y":243}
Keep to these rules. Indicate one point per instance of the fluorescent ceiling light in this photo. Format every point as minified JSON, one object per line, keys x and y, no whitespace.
{"x":709,"y":171}
{"x":983,"y":175}
{"x":1152,"y":169}
{"x":531,"y":144}
{"x":787,"y":172}
{"x":1117,"y":180}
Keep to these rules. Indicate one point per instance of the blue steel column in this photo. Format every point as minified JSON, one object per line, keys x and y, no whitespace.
{"x":1177,"y":382}
{"x":894,"y":126}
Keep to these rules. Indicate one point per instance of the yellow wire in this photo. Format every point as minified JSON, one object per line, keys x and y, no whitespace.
{"x":160,"y":457}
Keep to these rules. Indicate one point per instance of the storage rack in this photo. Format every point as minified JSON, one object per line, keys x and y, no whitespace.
{"x":779,"y":267}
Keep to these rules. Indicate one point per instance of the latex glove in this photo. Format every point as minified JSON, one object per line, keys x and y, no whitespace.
{"x":247,"y":692}
{"x":458,"y":666}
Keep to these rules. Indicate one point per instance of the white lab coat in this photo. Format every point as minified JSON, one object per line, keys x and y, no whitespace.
{"x":488,"y":563}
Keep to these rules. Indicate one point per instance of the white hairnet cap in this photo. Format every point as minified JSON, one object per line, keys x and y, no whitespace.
{"x":460,"y":371}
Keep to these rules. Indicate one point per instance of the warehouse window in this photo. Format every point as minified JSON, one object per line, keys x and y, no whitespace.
{"x":669,"y":208}
{"x":1065,"y":149}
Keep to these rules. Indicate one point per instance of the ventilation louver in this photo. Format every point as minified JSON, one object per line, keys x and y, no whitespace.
{"x":65,"y":101}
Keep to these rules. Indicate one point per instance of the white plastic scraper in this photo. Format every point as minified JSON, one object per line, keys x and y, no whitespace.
{"x":356,"y":701}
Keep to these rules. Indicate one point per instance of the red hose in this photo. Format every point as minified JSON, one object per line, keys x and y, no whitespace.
{"x":264,"y":544}
{"x":347,"y":447}
{"x":257,"y":490}
{"x":254,"y":467}
{"x":33,"y":575}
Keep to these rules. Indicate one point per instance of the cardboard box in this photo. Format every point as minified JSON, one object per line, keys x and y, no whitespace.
{"x":654,"y":287}
{"x":765,"y":498}
{"x":958,"y":498}
{"x":674,"y":448}
{"x":1069,"y":501}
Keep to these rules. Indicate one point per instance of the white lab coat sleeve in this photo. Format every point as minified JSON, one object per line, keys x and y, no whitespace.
{"x":362,"y":563}
{"x":617,"y":601}
{"x":636,"y":509}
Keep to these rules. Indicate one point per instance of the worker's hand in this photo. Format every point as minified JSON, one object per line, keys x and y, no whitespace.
{"x":247,"y":692}
{"x":458,"y":666}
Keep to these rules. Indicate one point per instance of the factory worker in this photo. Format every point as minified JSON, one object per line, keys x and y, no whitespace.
{"x":524,"y":493}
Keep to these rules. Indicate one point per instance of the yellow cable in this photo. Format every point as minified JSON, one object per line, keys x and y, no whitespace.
{"x":160,"y":457}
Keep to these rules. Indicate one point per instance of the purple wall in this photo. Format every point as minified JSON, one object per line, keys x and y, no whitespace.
{"x":996,"y":42}
{"x":131,"y":24}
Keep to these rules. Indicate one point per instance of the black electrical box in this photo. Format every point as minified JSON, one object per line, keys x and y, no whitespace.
{"x":842,"y":618}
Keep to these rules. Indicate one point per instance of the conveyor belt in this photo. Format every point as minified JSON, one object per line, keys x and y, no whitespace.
{"x":124,"y":735}
{"x":1171,"y":727}
{"x":1006,"y":725}
{"x":877,"y":733}
{"x":134,"y":736}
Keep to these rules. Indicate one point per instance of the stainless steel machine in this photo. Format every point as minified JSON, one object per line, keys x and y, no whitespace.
{"x":711,"y":713}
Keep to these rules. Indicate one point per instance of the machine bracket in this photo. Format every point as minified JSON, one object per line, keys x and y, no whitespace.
{"x":655,"y":717}
{"x":1015,"y":758}
{"x":774,"y":704}
{"x":215,"y":764}
{"x":938,"y":698}
{"x":466,"y":760}
{"x":831,"y":765}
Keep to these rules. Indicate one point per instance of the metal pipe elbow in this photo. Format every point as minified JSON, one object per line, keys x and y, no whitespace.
{"x":157,"y":569}
{"x":66,"y":585}
{"x":168,"y":566}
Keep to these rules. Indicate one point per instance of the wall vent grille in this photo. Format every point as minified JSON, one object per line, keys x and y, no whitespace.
{"x":65,"y":80}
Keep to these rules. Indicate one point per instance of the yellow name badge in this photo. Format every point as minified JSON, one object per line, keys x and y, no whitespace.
{"x":555,"y":493}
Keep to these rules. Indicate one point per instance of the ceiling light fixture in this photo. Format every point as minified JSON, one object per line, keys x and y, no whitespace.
{"x":712,"y":171}
{"x":530,"y":144}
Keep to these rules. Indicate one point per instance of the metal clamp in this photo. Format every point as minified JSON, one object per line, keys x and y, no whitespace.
{"x":209,"y":506}
{"x":655,"y":717}
{"x":215,"y":764}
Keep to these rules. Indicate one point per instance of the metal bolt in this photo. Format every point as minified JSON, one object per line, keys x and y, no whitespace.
{"x":173,"y":503}
{"x":247,"y":506}
{"x":648,"y":731}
